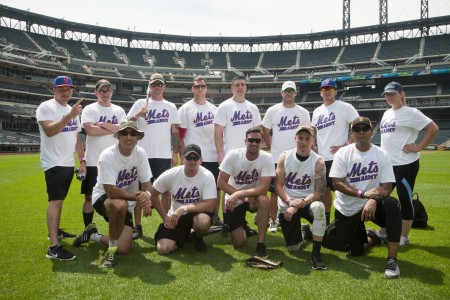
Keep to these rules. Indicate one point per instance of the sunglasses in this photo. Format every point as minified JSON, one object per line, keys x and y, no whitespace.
{"x":200,"y":86}
{"x":194,"y":158}
{"x":104,"y":92}
{"x":328,"y":89}
{"x":253,"y":140}
{"x":126,"y":133}
{"x":157,"y":84}
{"x":361,"y":128}
{"x":289,"y":91}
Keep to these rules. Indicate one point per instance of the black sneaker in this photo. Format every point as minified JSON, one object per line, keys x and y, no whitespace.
{"x":85,"y":236}
{"x":392,"y":269}
{"x":58,"y":252}
{"x":137,"y":232}
{"x":306,"y":232}
{"x":224,"y":232}
{"x":317,"y":262}
{"x":199,"y":243}
{"x":63,"y":234}
{"x":261,"y":250}
{"x":376,"y":240}
{"x":249,"y":232}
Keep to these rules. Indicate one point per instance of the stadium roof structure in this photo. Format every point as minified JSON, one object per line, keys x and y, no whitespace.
{"x":33,"y":19}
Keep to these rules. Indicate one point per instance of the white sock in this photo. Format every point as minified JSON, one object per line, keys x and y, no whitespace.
{"x":96,"y":237}
{"x":112,"y":243}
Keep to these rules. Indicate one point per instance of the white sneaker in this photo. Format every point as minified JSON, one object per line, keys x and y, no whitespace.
{"x":392,"y":269}
{"x":404,"y":241}
{"x":273,"y":224}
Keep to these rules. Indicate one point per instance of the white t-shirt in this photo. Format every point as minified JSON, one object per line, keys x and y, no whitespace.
{"x":332,"y":125}
{"x":237,"y":119}
{"x":363,"y":171}
{"x":398,"y":128}
{"x":156,"y":125}
{"x":284,"y":123}
{"x":198,"y":119}
{"x":186,"y":190}
{"x":300,"y":175}
{"x":124,"y":172}
{"x":57,"y":150}
{"x":94,"y":113}
{"x":245,"y":174}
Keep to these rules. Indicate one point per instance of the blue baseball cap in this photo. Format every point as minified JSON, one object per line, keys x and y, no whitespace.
{"x":63,"y":81}
{"x":392,"y":87}
{"x":328,"y":82}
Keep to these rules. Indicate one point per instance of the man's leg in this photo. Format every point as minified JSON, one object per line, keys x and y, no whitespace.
{"x":53,"y":219}
{"x":88,"y":210}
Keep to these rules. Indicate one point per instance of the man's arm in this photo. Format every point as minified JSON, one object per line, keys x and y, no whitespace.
{"x":218,"y":140}
{"x":320,"y":181}
{"x":53,"y":127}
{"x":175,"y":142}
{"x":279,"y":179}
{"x":267,"y":137}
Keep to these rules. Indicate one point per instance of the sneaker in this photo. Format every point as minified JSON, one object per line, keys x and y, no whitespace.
{"x":392,"y":270}
{"x":317,"y":262}
{"x":255,"y":220}
{"x":273,"y":225}
{"x":249,"y":232}
{"x":224,"y":232}
{"x":58,"y":252}
{"x":381,"y":235}
{"x":199,"y":243}
{"x":306,"y":232}
{"x":85,"y":236}
{"x":64,"y":234}
{"x":261,"y":250}
{"x":376,"y":239}
{"x":137,"y":232}
{"x":404,"y":241}
{"x":110,"y":257}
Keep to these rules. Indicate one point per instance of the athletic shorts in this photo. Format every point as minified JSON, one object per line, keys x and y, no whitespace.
{"x":159,"y":165}
{"x":328,"y":164}
{"x":236,"y":218}
{"x":89,"y":181}
{"x":213,"y":167}
{"x":58,"y":181}
{"x":99,"y":207}
{"x":292,"y":229}
{"x":180,"y":233}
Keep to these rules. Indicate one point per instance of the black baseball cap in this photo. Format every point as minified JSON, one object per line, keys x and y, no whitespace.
{"x":192,"y":148}
{"x":361,"y":120}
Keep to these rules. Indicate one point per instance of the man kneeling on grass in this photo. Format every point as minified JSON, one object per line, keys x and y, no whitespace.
{"x":120,"y":170}
{"x":193,"y":195}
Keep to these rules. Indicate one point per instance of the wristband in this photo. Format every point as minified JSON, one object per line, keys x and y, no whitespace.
{"x":100,"y":124}
{"x":220,"y":153}
{"x":82,"y":160}
{"x":360,"y":194}
{"x":137,"y":116}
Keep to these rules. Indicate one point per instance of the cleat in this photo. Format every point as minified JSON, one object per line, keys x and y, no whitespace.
{"x":58,"y":252}
{"x":137,"y":232}
{"x":249,"y":232}
{"x":199,"y":243}
{"x":404,"y":241}
{"x":110,"y":257}
{"x":85,"y":236}
{"x":376,"y":239}
{"x":317,"y":262}
{"x":392,"y":270}
{"x":261,"y":250}
{"x":306,"y":232}
{"x":273,"y":225}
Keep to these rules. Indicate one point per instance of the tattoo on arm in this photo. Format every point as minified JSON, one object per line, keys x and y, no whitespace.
{"x":320,"y":182}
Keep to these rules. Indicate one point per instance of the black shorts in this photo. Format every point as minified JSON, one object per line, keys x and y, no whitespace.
{"x":89,"y":182}
{"x":328,"y":164}
{"x":99,"y":207}
{"x":213,"y":167}
{"x":292,"y":229}
{"x":181,"y":231}
{"x":159,"y":165}
{"x":58,"y":181}
{"x":236,"y":218}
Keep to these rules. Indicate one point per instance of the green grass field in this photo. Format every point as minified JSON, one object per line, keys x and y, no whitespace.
{"x":221,"y":272}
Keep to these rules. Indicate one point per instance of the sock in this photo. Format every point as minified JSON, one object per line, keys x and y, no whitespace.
{"x":215,"y":217}
{"x":327,"y":217}
{"x":225,"y":220}
{"x":316,"y":248}
{"x":87,"y":218}
{"x":112,"y":243}
{"x":96,"y":237}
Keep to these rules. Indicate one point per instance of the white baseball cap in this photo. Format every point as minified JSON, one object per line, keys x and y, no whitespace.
{"x":289,"y":84}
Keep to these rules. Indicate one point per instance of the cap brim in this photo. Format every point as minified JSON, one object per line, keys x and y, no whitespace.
{"x":71,"y":85}
{"x":390,"y":91}
{"x":192,"y":151}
